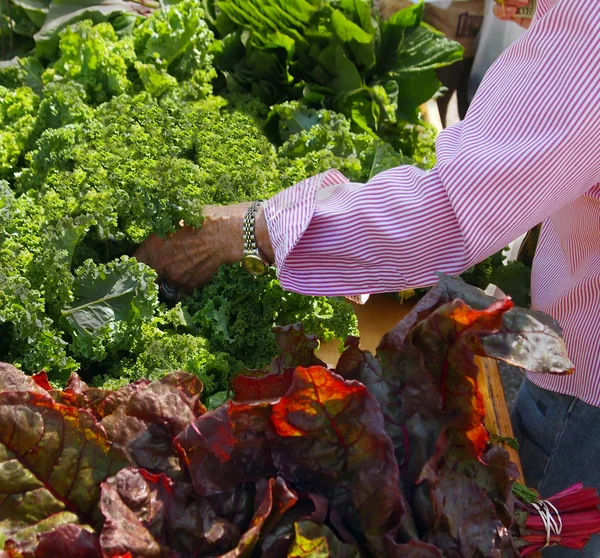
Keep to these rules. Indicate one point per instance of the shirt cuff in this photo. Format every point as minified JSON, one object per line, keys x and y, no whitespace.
{"x":289,"y":213}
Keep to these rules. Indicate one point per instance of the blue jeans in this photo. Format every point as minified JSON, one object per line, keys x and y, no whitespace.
{"x":559,"y":439}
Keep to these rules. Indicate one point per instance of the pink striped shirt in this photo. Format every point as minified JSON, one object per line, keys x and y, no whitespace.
{"x":528,"y":151}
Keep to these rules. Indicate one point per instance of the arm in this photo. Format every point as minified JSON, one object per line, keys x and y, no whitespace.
{"x":528,"y":146}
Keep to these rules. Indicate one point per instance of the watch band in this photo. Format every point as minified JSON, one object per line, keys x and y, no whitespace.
{"x":253,"y":260}
{"x":250,"y":246}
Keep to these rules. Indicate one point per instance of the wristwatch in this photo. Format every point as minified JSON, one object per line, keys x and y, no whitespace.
{"x":253,"y":260}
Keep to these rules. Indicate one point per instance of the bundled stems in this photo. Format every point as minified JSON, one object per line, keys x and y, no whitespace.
{"x":567,"y":519}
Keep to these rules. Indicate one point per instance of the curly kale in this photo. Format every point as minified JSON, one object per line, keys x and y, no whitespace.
{"x":22,"y":72}
{"x":161,"y":352}
{"x":18,"y":108}
{"x":237,"y":312}
{"x":94,"y":56}
{"x":96,"y":187}
{"x":176,"y":40}
{"x":30,"y":339}
{"x":110,"y":304}
{"x":170,"y":50}
{"x":480,"y":275}
{"x":317,"y":140}
{"x":139,"y":167}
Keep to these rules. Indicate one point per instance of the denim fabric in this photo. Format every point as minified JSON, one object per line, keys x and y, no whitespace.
{"x":559,"y":439}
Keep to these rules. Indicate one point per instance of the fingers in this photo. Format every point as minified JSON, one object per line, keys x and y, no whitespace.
{"x":505,"y":12}
{"x":508,"y":10}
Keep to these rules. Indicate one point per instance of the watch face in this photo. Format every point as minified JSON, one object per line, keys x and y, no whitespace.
{"x":254,"y":265}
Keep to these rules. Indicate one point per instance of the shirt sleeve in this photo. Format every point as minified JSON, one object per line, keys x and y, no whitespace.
{"x":528,"y":146}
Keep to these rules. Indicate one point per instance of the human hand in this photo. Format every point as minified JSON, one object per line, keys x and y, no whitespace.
{"x":190,"y":257}
{"x":506,"y":10}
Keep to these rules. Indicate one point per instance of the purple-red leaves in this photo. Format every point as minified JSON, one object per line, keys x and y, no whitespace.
{"x":325,"y":434}
{"x":332,"y":437}
{"x":297,"y":349}
{"x":465,"y":515}
{"x":154,"y":516}
{"x":68,"y":541}
{"x":275,"y":498}
{"x":304,"y":461}
{"x":12,"y":379}
{"x":228,"y":447}
{"x":53,"y":460}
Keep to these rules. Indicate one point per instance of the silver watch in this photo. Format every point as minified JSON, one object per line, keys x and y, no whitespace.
{"x":253,"y":260}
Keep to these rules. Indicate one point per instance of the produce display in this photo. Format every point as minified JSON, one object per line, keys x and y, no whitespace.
{"x":118,"y":132}
{"x":384,"y":456}
{"x":134,"y":428}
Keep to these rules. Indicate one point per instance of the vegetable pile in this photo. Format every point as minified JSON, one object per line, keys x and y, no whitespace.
{"x":111,"y":132}
{"x":384,"y":456}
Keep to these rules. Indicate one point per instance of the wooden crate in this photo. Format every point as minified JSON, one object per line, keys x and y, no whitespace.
{"x":497,"y":416}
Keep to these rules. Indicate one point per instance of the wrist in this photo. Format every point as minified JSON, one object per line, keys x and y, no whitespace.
{"x":263,"y":241}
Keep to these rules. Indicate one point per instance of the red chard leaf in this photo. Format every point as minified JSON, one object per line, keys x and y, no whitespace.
{"x":105,"y":402}
{"x":54,"y":459}
{"x":325,"y":434}
{"x":173,"y":401}
{"x":41,"y":379}
{"x":527,"y":339}
{"x":148,"y":445}
{"x":13,"y":379}
{"x":248,"y":389}
{"x":387,"y":456}
{"x":334,"y":440}
{"x":468,"y":516}
{"x":76,"y":384}
{"x":228,"y":447}
{"x":153,"y":516}
{"x":432,"y":373}
{"x":274,"y":499}
{"x":144,"y":425}
{"x":297,"y":349}
{"x":68,"y":541}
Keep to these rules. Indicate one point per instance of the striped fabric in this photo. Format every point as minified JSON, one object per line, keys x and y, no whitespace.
{"x":528,"y":151}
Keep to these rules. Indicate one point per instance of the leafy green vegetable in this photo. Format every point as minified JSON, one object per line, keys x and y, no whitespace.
{"x":17,"y":117}
{"x":342,"y":55}
{"x":110,"y":304}
{"x":121,"y":136}
{"x":22,"y":72}
{"x":94,"y":56}
{"x":236,"y":312}
{"x":62,"y":13}
{"x":99,"y":181}
{"x":176,"y":40}
{"x":157,"y":352}
{"x":315,"y":141}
